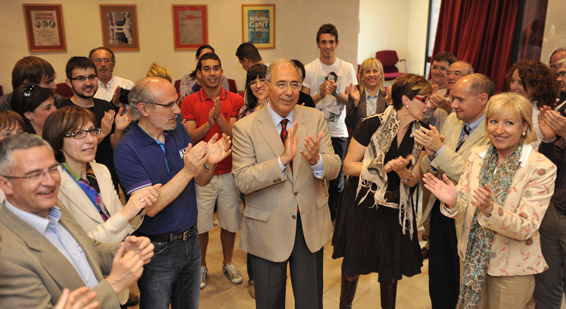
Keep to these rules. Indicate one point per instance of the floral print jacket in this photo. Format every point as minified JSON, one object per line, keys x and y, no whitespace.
{"x":516,"y":245}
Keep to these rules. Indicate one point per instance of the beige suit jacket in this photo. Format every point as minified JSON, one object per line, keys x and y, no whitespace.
{"x":272,"y":198}
{"x":33,"y":272}
{"x":449,"y":161}
{"x":116,"y":228}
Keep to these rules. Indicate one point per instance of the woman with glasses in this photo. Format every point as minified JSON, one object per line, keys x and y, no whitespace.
{"x":86,"y":186}
{"x":370,"y":99}
{"x":34,"y":104}
{"x":375,"y":226}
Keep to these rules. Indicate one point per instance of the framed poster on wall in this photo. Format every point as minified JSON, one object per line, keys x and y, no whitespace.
{"x":258,"y":25}
{"x":44,"y":27}
{"x":119,"y":27}
{"x":190,"y":26}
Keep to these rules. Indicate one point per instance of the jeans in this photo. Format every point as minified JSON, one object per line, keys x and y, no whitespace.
{"x":173,"y":275}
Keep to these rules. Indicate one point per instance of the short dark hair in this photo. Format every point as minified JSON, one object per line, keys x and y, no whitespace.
{"x":78,"y":63}
{"x":33,"y":69}
{"x":301,"y":68}
{"x":249,"y":51}
{"x":202,"y":47}
{"x":444,"y":56}
{"x":327,"y":28}
{"x":103,"y":48}
{"x":409,"y":85}
{"x":480,"y":83}
{"x":62,"y":121}
{"x":26,"y":98}
{"x":207,"y":56}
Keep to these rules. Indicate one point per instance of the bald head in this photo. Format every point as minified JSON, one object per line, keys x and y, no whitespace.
{"x":470,"y":96}
{"x":556,"y":56}
{"x":456,"y":71}
{"x":148,"y":90}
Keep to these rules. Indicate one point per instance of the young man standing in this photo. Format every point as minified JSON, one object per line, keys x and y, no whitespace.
{"x":326,"y":79}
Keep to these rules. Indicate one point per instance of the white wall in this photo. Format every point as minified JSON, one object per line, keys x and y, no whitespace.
{"x":394,"y":24}
{"x":296,"y":24}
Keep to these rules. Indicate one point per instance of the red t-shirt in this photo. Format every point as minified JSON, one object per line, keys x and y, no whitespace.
{"x":197,"y":106}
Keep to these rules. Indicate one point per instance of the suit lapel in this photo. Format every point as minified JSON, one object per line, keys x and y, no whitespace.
{"x":302,"y":134}
{"x":53,"y":261}
{"x":362,"y":105}
{"x":78,"y":197}
{"x":473,"y":139}
{"x":269,"y":131}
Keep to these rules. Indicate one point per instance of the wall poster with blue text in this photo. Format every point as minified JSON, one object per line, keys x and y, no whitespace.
{"x":258,"y":25}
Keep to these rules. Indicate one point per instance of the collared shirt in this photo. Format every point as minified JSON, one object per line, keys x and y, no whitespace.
{"x":59,"y":237}
{"x":371,"y":103}
{"x":472,"y":125}
{"x":317,"y":169}
{"x":107,"y":92}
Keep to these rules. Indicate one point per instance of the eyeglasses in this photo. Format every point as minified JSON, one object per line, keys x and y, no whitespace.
{"x":37,"y":175}
{"x":78,"y":134}
{"x":81,"y":78}
{"x":283,"y":85}
{"x":457,"y":73}
{"x":438,"y":67}
{"x":257,"y":81}
{"x":105,"y":60}
{"x":170,"y":105}
{"x":421,"y":98}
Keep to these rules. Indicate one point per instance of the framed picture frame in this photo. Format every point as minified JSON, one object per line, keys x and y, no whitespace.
{"x":119,"y":27}
{"x":44,"y":27}
{"x":190,"y":26}
{"x":258,"y":25}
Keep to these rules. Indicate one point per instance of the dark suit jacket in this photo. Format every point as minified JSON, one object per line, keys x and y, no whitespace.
{"x":355,"y":114}
{"x":33,"y":272}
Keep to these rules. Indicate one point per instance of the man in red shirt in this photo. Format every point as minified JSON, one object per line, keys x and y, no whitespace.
{"x":208,"y":111}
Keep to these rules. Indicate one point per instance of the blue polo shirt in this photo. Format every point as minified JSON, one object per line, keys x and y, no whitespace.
{"x":140,"y":161}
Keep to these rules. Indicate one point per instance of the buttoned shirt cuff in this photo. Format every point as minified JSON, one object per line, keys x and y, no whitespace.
{"x":281,"y":166}
{"x":317,"y":169}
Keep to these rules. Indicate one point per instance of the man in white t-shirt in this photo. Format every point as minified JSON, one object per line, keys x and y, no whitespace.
{"x":108,"y":84}
{"x":326,"y":79}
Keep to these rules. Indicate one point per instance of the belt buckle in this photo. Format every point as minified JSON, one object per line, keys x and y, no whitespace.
{"x":186,"y":235}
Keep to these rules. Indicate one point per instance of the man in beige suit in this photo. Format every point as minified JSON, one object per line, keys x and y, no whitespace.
{"x":286,"y":218}
{"x":43,"y":248}
{"x":463,"y":129}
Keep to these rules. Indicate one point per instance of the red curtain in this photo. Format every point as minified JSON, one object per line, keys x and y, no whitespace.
{"x":479,"y":32}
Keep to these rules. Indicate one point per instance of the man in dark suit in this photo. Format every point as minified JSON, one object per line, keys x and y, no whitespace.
{"x":43,"y":247}
{"x":286,"y":219}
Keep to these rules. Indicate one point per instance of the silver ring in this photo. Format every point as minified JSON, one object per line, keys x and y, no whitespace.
{"x":142,"y":200}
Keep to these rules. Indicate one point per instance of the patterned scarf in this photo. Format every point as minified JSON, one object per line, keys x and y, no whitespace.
{"x":90,"y":187}
{"x":373,"y":171}
{"x":499,"y":180}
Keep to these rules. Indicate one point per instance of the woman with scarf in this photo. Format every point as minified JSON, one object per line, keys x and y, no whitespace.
{"x":375,"y":226}
{"x":86,"y":187}
{"x":502,"y":197}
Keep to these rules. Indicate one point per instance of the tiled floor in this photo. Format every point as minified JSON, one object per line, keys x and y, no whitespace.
{"x":221,"y":294}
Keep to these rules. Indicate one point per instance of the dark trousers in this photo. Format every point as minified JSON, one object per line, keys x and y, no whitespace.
{"x":306,"y":277}
{"x":444,"y":263}
{"x":340,"y":145}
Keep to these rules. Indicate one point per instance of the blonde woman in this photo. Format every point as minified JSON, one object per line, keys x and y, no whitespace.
{"x":370,"y":98}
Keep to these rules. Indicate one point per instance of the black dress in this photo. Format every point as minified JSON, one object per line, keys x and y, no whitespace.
{"x":371,"y":239}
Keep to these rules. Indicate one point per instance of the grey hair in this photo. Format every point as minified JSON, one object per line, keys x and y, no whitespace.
{"x":278,"y":62}
{"x":141,"y":93}
{"x":17,"y":142}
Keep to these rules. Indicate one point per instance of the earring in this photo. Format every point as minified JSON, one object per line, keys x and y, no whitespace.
{"x":407,"y":106}
{"x":524,"y":133}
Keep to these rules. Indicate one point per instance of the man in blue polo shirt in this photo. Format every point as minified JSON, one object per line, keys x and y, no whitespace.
{"x":157,"y":150}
